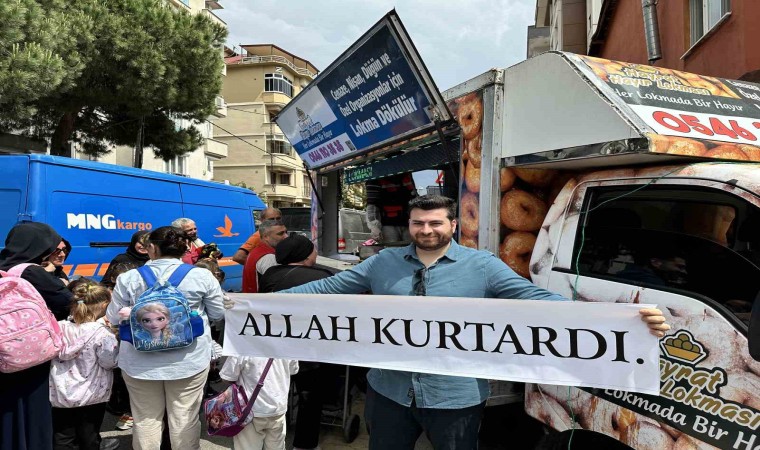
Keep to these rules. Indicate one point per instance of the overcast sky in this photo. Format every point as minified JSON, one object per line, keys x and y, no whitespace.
{"x":458,"y":39}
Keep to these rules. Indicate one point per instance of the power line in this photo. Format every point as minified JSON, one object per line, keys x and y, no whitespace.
{"x":246,"y":111}
{"x":251,"y":144}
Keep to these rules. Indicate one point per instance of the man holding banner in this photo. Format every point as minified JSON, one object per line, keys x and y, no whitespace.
{"x":400,"y":405}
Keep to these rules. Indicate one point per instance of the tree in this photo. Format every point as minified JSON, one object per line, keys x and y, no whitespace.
{"x":145,"y":65}
{"x":37,"y":56}
{"x":353,"y":196}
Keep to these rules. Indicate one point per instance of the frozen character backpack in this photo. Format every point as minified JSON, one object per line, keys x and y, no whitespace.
{"x":29,"y":333}
{"x":161,"y":319}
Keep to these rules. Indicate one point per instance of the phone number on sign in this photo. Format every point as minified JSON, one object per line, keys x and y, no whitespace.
{"x":715,"y":127}
{"x":684,"y":123}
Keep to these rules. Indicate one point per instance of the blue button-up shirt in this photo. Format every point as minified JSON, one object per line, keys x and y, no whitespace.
{"x":461,"y":272}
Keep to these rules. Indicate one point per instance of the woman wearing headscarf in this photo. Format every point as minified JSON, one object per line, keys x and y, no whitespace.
{"x":54,"y":262}
{"x":136,"y":253}
{"x":26,"y":421}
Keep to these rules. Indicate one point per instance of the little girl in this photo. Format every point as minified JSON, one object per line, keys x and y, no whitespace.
{"x":267,"y":430}
{"x":80,"y":378}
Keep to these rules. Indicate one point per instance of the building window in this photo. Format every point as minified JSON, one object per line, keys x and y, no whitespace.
{"x":278,"y":145}
{"x":705,"y":14}
{"x":176,"y":165}
{"x":279,"y":178}
{"x":276,"y":82}
{"x":306,"y":187}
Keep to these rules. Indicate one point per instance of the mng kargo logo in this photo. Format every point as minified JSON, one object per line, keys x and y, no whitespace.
{"x":102,"y":222}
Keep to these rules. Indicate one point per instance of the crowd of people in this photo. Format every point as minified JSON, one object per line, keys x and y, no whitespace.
{"x":61,"y":403}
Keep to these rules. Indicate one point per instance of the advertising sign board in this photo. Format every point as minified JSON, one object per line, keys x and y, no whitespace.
{"x":377,"y":92}
{"x":675,"y":103}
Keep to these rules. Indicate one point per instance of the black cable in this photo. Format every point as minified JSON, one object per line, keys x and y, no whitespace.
{"x":249,"y":143}
{"x":246,"y":111}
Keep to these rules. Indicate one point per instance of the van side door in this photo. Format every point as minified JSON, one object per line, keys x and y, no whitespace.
{"x":690,"y":246}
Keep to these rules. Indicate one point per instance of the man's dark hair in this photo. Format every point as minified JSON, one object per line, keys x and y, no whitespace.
{"x":430,"y":202}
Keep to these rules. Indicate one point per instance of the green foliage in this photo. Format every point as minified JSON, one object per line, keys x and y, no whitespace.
{"x":37,"y":56}
{"x":110,"y":68}
{"x":353,"y":196}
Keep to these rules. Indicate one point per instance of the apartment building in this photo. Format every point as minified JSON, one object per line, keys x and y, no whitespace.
{"x":261,"y":79}
{"x":571,"y":23}
{"x":711,"y":37}
{"x":196,"y":164}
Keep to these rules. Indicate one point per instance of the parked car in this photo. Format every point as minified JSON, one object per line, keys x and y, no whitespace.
{"x":352,"y":230}
{"x":297,"y":220}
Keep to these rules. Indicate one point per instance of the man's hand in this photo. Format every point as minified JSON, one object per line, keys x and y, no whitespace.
{"x":228,"y":302}
{"x":655,"y":321}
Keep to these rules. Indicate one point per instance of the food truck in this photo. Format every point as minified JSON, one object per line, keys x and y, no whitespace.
{"x":600,"y":180}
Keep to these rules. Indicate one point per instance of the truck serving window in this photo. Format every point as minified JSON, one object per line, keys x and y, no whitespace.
{"x":697,"y":241}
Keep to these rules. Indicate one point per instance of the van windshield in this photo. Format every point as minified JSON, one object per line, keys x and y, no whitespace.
{"x":297,"y":219}
{"x":696,"y":240}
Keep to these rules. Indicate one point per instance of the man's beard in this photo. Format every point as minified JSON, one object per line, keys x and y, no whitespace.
{"x":432,"y":244}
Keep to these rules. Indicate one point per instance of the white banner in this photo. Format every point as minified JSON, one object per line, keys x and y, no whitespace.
{"x":567,"y":343}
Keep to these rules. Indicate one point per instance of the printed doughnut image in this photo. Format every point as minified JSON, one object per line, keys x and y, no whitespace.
{"x":516,"y":250}
{"x":469,"y":215}
{"x":522,"y":211}
{"x":473,"y":150}
{"x":468,"y":111}
{"x":506,"y":179}
{"x":674,"y":145}
{"x":470,"y":115}
{"x":472,"y":178}
{"x":688,"y":147}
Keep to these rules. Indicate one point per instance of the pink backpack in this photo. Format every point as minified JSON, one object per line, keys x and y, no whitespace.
{"x":29,"y":333}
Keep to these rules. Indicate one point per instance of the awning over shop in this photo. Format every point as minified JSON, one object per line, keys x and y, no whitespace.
{"x":427,"y":154}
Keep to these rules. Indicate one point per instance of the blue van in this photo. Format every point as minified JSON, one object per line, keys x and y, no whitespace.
{"x":97,"y":207}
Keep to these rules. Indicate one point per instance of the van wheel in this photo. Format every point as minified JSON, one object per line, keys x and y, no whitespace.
{"x":581,"y":439}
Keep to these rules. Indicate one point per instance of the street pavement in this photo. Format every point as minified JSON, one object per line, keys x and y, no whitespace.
{"x":503,"y":427}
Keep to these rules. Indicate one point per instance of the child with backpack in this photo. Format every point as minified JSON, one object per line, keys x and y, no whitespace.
{"x":266,"y":430}
{"x":81,"y":377}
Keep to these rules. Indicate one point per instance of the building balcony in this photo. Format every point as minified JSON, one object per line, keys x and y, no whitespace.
{"x":213,"y":4}
{"x":215,"y":149}
{"x":274,"y":59}
{"x":214,"y":18}
{"x":221,"y":106}
{"x":282,"y":191}
{"x":275,"y":97}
